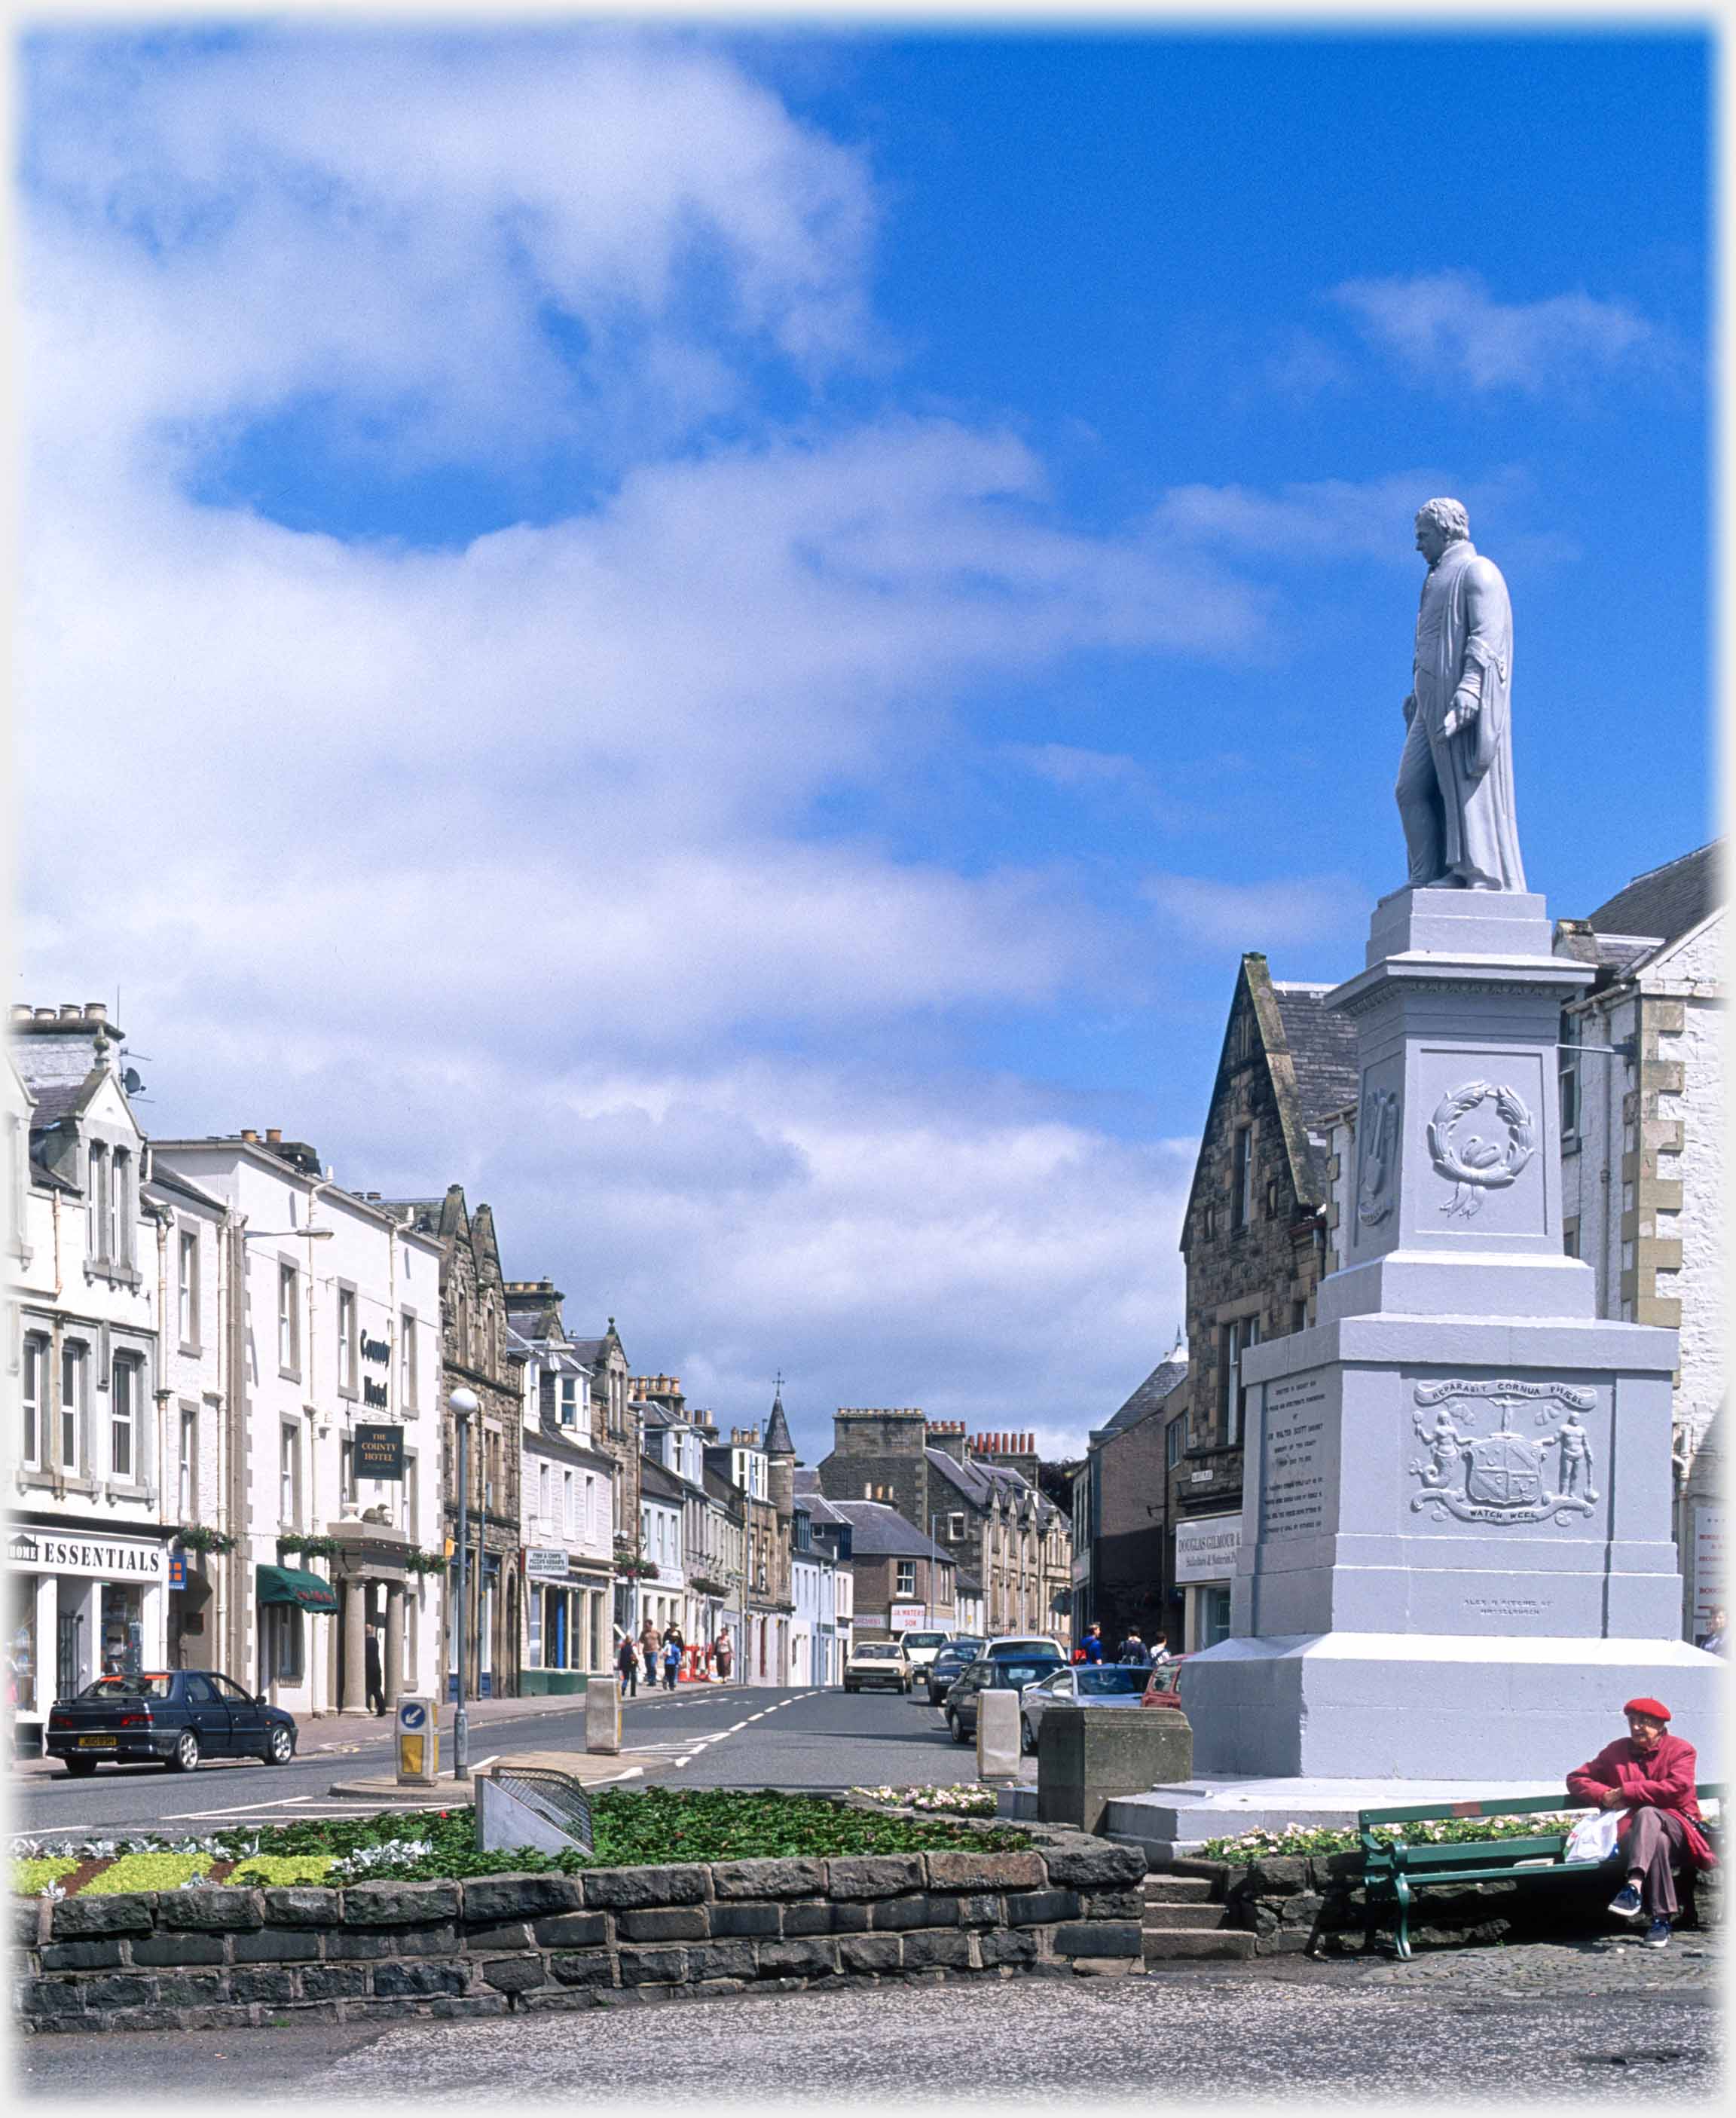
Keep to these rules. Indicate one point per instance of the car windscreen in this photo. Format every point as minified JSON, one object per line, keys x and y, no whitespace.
{"x":1003,"y":1648}
{"x":129,"y":1687}
{"x":876,"y":1654}
{"x":1115,"y":1682}
{"x":924,"y":1640}
{"x":1011,"y":1675}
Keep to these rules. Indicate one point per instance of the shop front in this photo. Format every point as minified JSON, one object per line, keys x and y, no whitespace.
{"x":566,"y":1605}
{"x":1205,"y":1548}
{"x":80,"y":1604}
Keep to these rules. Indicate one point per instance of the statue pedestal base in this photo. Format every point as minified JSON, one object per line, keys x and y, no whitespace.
{"x":1416,"y":1706}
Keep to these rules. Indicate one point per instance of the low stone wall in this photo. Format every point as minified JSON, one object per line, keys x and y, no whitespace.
{"x":1291,"y":1902}
{"x":523,"y":1944}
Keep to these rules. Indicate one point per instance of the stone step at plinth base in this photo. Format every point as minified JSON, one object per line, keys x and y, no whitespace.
{"x":1172,"y":1944}
{"x":1197,"y":1918}
{"x":1163,"y":1889}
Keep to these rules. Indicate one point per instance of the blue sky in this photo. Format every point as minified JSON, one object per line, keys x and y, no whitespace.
{"x":725,"y":637}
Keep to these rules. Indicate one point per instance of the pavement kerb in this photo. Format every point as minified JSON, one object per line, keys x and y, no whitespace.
{"x":448,"y":1793}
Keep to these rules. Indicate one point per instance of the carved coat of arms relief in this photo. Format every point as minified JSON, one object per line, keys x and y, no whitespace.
{"x":1505,"y":1475}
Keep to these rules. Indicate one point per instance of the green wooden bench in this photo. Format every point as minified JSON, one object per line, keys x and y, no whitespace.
{"x":1394,"y":1871}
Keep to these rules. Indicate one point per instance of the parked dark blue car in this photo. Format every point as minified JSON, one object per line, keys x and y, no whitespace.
{"x":171,"y":1717}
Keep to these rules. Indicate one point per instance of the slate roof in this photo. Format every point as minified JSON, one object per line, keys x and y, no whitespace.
{"x":878,"y":1532}
{"x":163,"y":1178}
{"x":1665,"y":902}
{"x":778,"y":1442}
{"x":819,"y":1508}
{"x":588,"y":1351}
{"x":1168,"y":1375}
{"x":1322,"y":1050}
{"x":56,"y":1100}
{"x":654,"y":1478}
{"x":555,"y":1442}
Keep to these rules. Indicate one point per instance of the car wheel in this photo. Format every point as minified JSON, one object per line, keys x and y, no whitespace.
{"x":1027,"y":1739}
{"x":956,"y":1729}
{"x":185,"y":1755}
{"x":281,"y":1747}
{"x":79,"y":1768}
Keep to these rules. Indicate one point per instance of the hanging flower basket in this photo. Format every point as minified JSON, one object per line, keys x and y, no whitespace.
{"x":195,"y":1537}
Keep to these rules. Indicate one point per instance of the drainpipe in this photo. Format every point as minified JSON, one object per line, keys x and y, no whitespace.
{"x":237,"y":1414}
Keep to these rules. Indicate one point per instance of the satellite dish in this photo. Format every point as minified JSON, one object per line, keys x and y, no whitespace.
{"x":130,"y":1081}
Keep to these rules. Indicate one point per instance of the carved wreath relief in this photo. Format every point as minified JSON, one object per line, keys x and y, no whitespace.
{"x":1377,"y":1155}
{"x":1472,"y":1164}
{"x":1504,"y":1476}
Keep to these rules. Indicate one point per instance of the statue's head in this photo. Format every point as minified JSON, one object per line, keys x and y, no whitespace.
{"x":1440,"y":523}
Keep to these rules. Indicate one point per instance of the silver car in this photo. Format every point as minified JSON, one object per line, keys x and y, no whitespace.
{"x":1082,"y":1684}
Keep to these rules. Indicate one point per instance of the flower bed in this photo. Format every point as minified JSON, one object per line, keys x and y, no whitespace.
{"x":968,"y":1800}
{"x":634,"y":1828}
{"x":1247,"y":1846}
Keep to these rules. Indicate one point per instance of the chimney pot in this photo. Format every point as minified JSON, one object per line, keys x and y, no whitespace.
{"x":247,"y":1134}
{"x":22,"y":1010}
{"x":274,"y":1136}
{"x":96,"y":1011}
{"x":45,"y":1015}
{"x":70,"y":1011}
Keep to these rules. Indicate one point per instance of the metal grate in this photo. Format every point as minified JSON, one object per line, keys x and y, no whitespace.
{"x":556,"y":1797}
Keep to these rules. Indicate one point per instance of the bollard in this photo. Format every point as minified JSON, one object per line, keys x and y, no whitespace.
{"x":1087,"y":1755}
{"x":417,"y":1733}
{"x":603,"y":1715}
{"x":998,"y":1736}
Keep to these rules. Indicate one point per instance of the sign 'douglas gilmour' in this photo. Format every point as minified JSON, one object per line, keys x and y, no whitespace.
{"x":1455,"y":1548}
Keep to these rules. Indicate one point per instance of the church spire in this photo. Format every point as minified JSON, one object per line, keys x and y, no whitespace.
{"x":778,"y":1442}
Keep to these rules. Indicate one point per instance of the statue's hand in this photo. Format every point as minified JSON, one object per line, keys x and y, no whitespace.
{"x":1460,"y":714}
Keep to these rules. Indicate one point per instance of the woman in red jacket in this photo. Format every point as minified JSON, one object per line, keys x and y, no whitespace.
{"x":1650,"y":1774}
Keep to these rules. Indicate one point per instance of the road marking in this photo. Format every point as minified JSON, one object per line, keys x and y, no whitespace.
{"x":244,"y":1808}
{"x":481,"y":1762}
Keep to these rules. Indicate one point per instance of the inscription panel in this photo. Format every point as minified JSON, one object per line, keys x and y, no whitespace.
{"x":1296,"y":1478}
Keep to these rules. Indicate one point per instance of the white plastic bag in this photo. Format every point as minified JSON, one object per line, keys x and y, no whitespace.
{"x":1594,"y":1837}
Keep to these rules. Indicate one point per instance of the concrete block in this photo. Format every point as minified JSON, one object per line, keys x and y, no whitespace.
{"x":1098,"y":1938}
{"x":999,"y":1736}
{"x":1087,"y":1755}
{"x":603,"y":1716}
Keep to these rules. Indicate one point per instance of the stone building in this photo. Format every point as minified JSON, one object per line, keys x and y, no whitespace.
{"x":1120,"y":1521}
{"x":891,"y":1564}
{"x":479,"y":1355}
{"x":762,"y":1471}
{"x":978,"y":1500}
{"x":1254,"y":1239}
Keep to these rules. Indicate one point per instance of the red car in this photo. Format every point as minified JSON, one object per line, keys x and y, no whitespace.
{"x":1162,"y":1688}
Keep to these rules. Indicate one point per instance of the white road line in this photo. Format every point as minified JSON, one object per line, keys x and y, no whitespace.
{"x":481,"y":1762}
{"x":243,"y":1809}
{"x":684,"y":1761}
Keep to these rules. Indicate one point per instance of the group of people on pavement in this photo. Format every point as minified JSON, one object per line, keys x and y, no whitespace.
{"x":654,"y":1654}
{"x":1132,"y":1648}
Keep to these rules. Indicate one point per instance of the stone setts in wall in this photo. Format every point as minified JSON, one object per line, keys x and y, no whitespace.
{"x":524,"y":1943}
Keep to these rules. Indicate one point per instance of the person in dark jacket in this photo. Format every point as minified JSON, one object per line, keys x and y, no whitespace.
{"x":1134,"y":1649}
{"x":1650,"y":1773}
{"x":1093,"y":1644}
{"x":371,"y":1664}
{"x":627,"y":1661}
{"x":671,"y":1660}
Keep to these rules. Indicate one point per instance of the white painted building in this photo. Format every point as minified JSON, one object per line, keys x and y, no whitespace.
{"x":813,"y":1596}
{"x":662,"y":1509}
{"x":89,"y":1548}
{"x":568,"y":1506}
{"x":337,"y":1326}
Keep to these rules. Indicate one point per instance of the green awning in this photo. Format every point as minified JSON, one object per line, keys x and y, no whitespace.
{"x":292,"y":1584}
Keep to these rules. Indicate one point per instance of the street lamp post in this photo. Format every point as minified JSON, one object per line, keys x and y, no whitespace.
{"x":465,"y":1405}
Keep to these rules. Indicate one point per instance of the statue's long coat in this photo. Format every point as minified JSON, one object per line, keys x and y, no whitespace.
{"x":1473,"y":644}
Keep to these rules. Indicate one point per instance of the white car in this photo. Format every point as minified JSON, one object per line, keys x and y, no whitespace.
{"x":876,"y":1662}
{"x":919,"y":1650}
{"x":1020,"y":1644}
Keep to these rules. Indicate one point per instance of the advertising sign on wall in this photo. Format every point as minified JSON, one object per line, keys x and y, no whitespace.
{"x":1205,"y":1548}
{"x":1709,"y":1583}
{"x":379,"y":1452}
{"x":908,"y":1617}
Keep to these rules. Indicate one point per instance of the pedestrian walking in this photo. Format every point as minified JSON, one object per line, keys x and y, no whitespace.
{"x":1133,"y":1649}
{"x":1650,"y":1774}
{"x":671,"y":1661}
{"x":371,"y":1661}
{"x":627,"y":1661}
{"x":1093,"y":1644}
{"x":1160,"y":1650}
{"x":724,"y":1653}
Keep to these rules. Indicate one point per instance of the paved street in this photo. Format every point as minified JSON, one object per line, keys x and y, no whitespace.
{"x":1607,"y":2022}
{"x":724,"y":1736}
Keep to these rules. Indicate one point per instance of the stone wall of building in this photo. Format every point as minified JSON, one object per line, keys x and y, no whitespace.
{"x":878,"y":1455}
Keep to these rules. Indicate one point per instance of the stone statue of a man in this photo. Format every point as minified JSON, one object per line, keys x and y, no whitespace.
{"x":1455,"y":778}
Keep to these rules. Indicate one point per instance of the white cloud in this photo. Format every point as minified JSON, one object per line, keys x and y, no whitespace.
{"x":1198,"y":913}
{"x":1449,"y":327}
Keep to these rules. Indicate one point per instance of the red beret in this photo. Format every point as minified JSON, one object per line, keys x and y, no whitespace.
{"x":1654,"y":1708}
